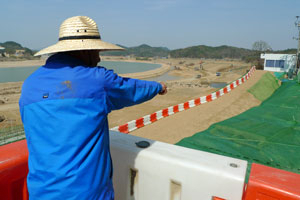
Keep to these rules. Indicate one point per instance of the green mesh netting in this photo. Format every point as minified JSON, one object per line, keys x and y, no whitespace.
{"x":265,"y":87}
{"x":268,"y":134}
{"x":279,"y":75}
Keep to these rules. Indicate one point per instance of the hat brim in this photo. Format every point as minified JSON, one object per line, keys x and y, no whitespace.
{"x":75,"y":45}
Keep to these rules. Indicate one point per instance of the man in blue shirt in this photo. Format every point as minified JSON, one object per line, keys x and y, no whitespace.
{"x":64,"y":107}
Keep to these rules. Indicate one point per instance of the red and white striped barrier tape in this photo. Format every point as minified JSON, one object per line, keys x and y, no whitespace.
{"x":149,"y":119}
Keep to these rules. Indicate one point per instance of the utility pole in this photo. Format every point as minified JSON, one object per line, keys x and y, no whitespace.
{"x":297,"y":24}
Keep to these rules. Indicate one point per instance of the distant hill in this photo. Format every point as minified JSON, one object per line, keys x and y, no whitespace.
{"x":287,"y":51}
{"x":11,"y":47}
{"x":200,"y":51}
{"x":203,"y":51}
{"x":220,"y":52}
{"x":143,"y":50}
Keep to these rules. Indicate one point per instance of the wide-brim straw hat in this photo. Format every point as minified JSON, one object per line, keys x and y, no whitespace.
{"x":79,"y":33}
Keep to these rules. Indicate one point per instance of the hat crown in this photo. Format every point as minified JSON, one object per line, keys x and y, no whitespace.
{"x":78,"y":26}
{"x":79,"y":33}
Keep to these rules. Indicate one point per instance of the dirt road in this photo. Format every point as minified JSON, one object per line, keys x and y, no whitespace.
{"x":186,"y":123}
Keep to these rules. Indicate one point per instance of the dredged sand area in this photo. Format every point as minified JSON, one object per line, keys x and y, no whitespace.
{"x":192,"y":82}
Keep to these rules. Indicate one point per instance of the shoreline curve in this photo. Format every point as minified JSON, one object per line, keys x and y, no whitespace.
{"x":137,"y":75}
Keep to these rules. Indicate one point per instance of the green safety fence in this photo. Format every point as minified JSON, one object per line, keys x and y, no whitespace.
{"x":268,"y":134}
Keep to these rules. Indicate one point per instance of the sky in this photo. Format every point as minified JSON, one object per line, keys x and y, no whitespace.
{"x":160,"y":23}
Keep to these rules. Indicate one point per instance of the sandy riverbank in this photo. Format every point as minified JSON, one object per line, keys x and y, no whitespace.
{"x":23,"y":63}
{"x":193,"y":83}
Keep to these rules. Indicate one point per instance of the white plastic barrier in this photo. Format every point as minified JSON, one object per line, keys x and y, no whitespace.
{"x":169,"y":172}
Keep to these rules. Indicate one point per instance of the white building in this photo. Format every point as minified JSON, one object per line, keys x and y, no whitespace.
{"x":278,"y":62}
{"x":1,"y":51}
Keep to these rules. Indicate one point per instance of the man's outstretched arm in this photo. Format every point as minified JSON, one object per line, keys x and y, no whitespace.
{"x":123,"y":92}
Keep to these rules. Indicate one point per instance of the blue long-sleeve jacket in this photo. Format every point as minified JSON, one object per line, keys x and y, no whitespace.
{"x":64,"y":107}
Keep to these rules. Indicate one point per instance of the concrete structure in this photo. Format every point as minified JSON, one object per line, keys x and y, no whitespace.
{"x":20,"y":52}
{"x":279,"y":62}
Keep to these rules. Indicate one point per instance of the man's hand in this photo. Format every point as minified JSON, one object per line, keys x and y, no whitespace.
{"x":164,"y":89}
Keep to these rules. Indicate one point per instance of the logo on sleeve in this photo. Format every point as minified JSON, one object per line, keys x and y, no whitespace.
{"x":45,"y":96}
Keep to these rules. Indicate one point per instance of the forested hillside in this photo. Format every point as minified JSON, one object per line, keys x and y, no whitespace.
{"x":11,"y":47}
{"x":140,"y":51}
{"x":203,"y":51}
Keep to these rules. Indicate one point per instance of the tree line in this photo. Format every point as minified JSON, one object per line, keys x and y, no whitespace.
{"x":201,"y":51}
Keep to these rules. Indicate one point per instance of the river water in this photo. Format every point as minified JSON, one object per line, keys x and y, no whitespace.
{"x":218,"y":84}
{"x":15,"y":74}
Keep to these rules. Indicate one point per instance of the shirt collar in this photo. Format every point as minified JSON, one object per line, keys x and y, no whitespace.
{"x":63,"y":59}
